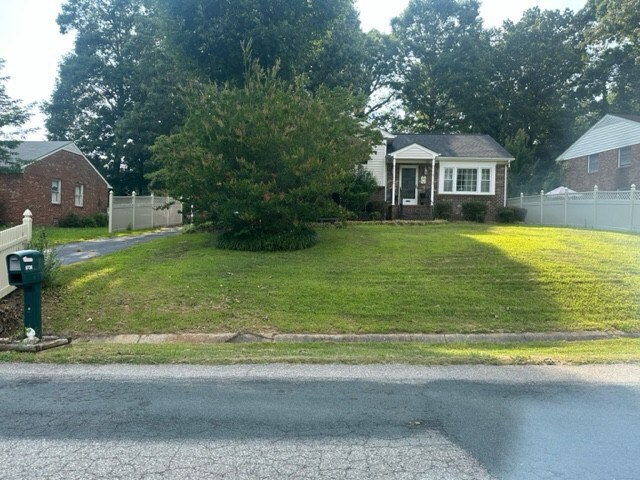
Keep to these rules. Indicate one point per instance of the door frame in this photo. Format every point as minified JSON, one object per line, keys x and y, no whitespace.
{"x":409,"y":201}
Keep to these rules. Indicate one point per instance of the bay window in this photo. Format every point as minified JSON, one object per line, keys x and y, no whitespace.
{"x":467,"y":179}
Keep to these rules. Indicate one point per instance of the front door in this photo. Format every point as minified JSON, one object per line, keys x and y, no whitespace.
{"x":409,"y":185}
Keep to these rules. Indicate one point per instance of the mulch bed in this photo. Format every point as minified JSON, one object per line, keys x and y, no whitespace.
{"x":11,"y":313}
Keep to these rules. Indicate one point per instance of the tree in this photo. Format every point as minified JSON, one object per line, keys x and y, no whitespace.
{"x":12,"y":114}
{"x":264,"y":158}
{"x":446,"y":70}
{"x":538,"y":64}
{"x":321,"y":39}
{"x":107,"y":96}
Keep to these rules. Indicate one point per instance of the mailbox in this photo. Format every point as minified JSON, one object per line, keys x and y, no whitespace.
{"x":25,"y":269}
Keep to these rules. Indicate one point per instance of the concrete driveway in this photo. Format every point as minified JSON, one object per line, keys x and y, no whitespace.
{"x":81,"y":251}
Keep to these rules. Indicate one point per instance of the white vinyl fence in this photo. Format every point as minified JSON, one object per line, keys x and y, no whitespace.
{"x":13,"y":239}
{"x":595,"y":209}
{"x":138,"y":212}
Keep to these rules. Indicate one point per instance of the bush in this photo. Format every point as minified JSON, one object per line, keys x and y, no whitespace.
{"x":40,"y":242}
{"x":73,"y":220}
{"x":377,"y":209}
{"x":442,"y":211}
{"x":511,"y":214}
{"x":474,"y":211}
{"x":297,"y":238}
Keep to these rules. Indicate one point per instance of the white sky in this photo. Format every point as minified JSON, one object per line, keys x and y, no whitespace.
{"x":32,"y":46}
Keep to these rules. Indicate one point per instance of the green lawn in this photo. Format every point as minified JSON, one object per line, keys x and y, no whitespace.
{"x":364,"y":278}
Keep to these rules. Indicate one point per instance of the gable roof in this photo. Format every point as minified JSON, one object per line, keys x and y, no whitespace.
{"x":28,"y":152}
{"x":609,"y":133}
{"x":453,"y":145}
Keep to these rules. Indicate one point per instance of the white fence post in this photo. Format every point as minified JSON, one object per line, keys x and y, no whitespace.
{"x":27,"y":221}
{"x":566,"y":204}
{"x":595,"y":206}
{"x":153,"y":216}
{"x":110,"y":211}
{"x":632,"y":201}
{"x":521,"y":199}
{"x":541,"y":207}
{"x":133,"y":210}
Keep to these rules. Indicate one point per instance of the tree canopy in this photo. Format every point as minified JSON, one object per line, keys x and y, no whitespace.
{"x":534,"y":85}
{"x":13,"y":115}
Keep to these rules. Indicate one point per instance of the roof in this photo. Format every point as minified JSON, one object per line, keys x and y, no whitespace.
{"x":27,"y":152}
{"x":609,"y":133}
{"x":453,"y":145}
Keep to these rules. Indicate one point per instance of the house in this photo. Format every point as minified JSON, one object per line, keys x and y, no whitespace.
{"x":416,"y":171}
{"x":606,"y":156}
{"x":51,"y":179}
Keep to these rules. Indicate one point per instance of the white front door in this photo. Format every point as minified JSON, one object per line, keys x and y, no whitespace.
{"x":409,"y":185}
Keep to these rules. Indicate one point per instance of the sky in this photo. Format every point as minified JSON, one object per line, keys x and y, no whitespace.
{"x":32,"y":46}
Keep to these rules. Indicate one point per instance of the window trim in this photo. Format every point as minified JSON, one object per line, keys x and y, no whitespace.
{"x":56,"y":195}
{"x":628,"y":164}
{"x":453,"y":181}
{"x":593,"y":160}
{"x":78,"y":200}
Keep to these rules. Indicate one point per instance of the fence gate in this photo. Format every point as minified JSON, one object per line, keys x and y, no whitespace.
{"x":140,"y":212}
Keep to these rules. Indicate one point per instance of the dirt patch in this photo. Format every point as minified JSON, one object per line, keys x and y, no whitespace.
{"x":11,"y":315}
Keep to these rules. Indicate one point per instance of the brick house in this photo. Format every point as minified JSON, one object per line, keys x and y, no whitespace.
{"x":416,"y":171}
{"x":51,"y":179}
{"x":606,"y":156}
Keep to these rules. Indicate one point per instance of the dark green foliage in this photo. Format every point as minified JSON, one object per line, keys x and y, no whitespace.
{"x":511,"y":214}
{"x":73,"y":220}
{"x":13,"y":115}
{"x":40,"y":242}
{"x":264,"y":158}
{"x":442,"y":211}
{"x":474,"y":211}
{"x":377,"y":210}
{"x":297,"y":238}
{"x":358,"y":188}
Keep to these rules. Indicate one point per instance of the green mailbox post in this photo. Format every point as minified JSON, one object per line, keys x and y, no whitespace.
{"x":26,"y":270}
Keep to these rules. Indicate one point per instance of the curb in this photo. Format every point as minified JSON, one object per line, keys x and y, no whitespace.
{"x":446,"y":338}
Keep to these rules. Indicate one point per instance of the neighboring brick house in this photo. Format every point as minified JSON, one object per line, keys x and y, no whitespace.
{"x":415,"y":172}
{"x":606,"y":156}
{"x":51,"y":179}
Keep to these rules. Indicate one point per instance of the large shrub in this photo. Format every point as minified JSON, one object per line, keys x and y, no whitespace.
{"x":442,"y":211}
{"x":266,"y":158}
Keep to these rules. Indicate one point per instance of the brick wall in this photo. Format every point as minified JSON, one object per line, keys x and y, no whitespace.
{"x":32,"y":189}
{"x":609,"y":176}
{"x":493,"y":202}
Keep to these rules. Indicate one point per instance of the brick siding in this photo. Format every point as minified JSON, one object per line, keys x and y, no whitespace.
{"x":609,"y":176}
{"x":423,"y":211}
{"x":32,"y":189}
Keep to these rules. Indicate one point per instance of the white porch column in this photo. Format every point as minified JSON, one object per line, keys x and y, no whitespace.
{"x":433,"y":177}
{"x":393,"y":184}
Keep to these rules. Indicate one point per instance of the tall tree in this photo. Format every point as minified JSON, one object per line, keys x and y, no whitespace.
{"x":117,"y":61}
{"x":264,"y":158}
{"x":321,"y":39}
{"x":538,"y":64}
{"x":13,"y":115}
{"x":445,"y":84}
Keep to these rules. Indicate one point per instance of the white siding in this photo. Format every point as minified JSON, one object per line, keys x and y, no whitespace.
{"x":414,"y":152}
{"x":376,"y":164}
{"x":609,"y":133}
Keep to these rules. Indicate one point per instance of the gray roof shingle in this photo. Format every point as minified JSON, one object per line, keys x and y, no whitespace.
{"x":453,"y":145}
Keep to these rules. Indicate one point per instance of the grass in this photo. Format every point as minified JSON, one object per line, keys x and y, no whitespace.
{"x":600,"y":351}
{"x":365,"y":278}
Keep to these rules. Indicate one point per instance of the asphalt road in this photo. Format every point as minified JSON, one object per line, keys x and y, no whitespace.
{"x":308,"y":422}
{"x":80,"y":251}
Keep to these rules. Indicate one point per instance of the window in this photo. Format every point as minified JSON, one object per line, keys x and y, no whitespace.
{"x":468,"y":179}
{"x":485,"y":182}
{"x":79,"y":196}
{"x":55,"y":192}
{"x":592,"y":165}
{"x":448,"y":179}
{"x":624,"y":157}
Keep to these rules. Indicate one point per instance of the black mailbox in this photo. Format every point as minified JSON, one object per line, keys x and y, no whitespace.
{"x":25,"y":267}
